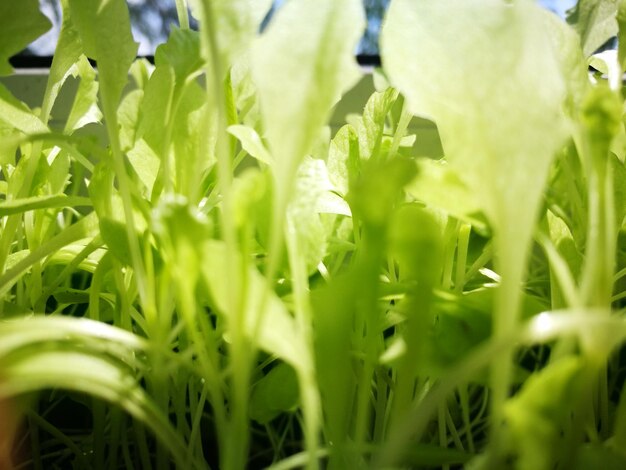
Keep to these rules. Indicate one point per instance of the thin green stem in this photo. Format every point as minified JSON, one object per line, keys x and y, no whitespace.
{"x":183,"y":13}
{"x":306,"y":372}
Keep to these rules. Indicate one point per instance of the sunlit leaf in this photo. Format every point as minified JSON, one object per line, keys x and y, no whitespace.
{"x":20,"y":24}
{"x":312,"y":76}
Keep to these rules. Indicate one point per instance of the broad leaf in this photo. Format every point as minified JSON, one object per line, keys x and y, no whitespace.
{"x":496,"y":122}
{"x":299,"y":85}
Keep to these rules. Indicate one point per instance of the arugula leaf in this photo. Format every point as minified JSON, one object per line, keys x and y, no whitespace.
{"x":20,"y":24}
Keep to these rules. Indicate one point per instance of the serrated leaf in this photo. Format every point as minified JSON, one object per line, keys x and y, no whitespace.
{"x":21,"y":23}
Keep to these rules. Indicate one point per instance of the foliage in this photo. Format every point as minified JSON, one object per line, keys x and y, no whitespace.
{"x":197,"y":272}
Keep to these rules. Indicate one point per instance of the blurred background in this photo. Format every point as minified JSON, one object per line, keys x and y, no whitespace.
{"x":152,"y":19}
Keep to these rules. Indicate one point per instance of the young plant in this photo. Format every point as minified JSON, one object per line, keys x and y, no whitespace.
{"x":203,"y":274}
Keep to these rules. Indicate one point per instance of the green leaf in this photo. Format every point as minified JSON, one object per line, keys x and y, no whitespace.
{"x":621,"y":36}
{"x":20,"y":23}
{"x":194,"y":119}
{"x":181,"y":230}
{"x":439,"y":186}
{"x":128,"y":118}
{"x":415,"y":242}
{"x":92,"y":357}
{"x":108,"y":206}
{"x":67,"y":53}
{"x":150,"y":136}
{"x":104,"y":28}
{"x":312,"y":191}
{"x":379,"y":188}
{"x":85,"y":108}
{"x":17,"y":115}
{"x":249,"y":189}
{"x":500,"y":125}
{"x":251,"y":143}
{"x":274,"y":393}
{"x":17,"y":206}
{"x":595,"y":22}
{"x":277,"y":333}
{"x":496,"y":123}
{"x":182,"y":53}
{"x":343,"y":156}
{"x":234,"y":23}
{"x":312,"y":76}
{"x":546,"y":400}
{"x":85,"y":228}
{"x":371,"y":127}
{"x":145,"y":162}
